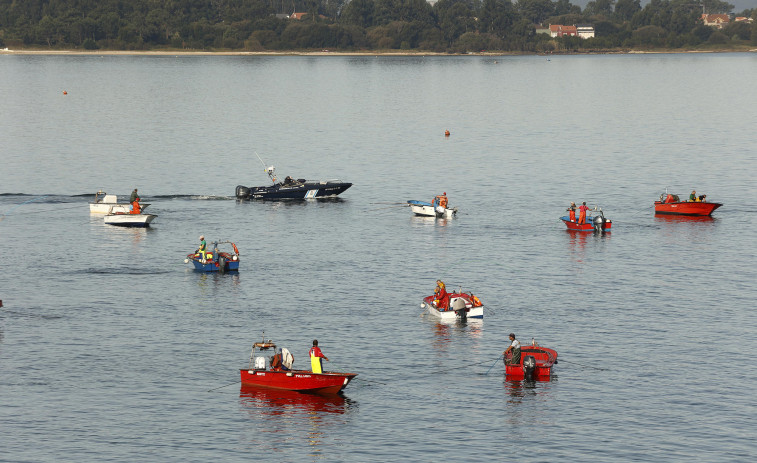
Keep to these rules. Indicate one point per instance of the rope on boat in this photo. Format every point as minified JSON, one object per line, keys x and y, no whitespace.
{"x":583,"y":365}
{"x":18,"y":205}
{"x":226,"y":385}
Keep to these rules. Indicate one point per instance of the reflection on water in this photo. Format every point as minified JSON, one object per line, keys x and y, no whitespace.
{"x":686,"y":228}
{"x":446,"y":331}
{"x":214,"y":280}
{"x":520,"y":391}
{"x":577,"y":242}
{"x":281,"y":417}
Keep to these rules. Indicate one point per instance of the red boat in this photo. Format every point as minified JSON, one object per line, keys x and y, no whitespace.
{"x":279,"y":375}
{"x":535,"y":364}
{"x":593,"y":223}
{"x":671,"y":204}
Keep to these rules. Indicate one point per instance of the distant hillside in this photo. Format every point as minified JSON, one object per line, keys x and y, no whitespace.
{"x":739,"y":5}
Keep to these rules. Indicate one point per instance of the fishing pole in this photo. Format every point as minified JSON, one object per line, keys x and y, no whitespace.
{"x":18,"y":205}
{"x":490,"y":368}
{"x":584,"y":365}
{"x":219,"y":387}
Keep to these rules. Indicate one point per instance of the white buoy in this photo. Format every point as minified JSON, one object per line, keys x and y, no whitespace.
{"x":186,"y":261}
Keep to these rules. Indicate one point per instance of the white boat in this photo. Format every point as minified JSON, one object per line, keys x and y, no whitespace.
{"x":127,"y":219}
{"x":425,"y":209}
{"x":107,"y":204}
{"x":461,"y":306}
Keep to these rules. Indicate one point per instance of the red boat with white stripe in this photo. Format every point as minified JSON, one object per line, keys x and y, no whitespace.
{"x":279,"y":375}
{"x":671,"y":204}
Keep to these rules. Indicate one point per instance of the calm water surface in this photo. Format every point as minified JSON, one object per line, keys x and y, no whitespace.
{"x":111,"y":349}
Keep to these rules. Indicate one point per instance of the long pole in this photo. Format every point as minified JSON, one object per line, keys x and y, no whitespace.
{"x":490,"y":368}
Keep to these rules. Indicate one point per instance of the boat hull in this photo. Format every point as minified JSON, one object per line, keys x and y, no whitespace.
{"x":585,"y":227}
{"x":129,"y":220}
{"x":545,"y":360}
{"x":297,"y":380}
{"x":449,"y":314}
{"x":686,"y":208}
{"x":306,"y":190}
{"x":210,"y":265}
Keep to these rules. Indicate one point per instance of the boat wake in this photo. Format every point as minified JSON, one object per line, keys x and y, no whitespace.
{"x":121,"y":271}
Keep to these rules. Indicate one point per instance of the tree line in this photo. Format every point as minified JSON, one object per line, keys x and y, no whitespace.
{"x":455,"y":26}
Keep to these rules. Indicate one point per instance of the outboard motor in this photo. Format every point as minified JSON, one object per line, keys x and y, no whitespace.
{"x":599,"y":223}
{"x":459,"y":307}
{"x":529,"y":366}
{"x":242,"y":192}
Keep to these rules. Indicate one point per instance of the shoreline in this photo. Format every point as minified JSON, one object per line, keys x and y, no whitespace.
{"x":7,"y":51}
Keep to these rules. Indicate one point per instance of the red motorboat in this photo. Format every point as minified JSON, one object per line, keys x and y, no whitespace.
{"x":598,"y":223}
{"x":280,"y":375}
{"x":672,"y":204}
{"x":536,"y":364}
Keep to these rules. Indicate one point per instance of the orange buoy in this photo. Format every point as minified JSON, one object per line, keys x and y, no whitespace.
{"x":65,"y":92}
{"x":446,"y":133}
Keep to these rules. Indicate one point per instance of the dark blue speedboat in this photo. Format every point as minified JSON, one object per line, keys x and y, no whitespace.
{"x":215,"y":260}
{"x":292,"y":188}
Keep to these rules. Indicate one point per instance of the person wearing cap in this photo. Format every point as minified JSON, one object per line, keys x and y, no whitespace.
{"x":316,"y":358}
{"x":134,"y":200}
{"x":203,"y":246}
{"x":514,"y":347}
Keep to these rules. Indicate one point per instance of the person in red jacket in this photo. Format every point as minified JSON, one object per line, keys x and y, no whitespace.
{"x":582,"y":212}
{"x":441,"y":298}
{"x":316,"y":358}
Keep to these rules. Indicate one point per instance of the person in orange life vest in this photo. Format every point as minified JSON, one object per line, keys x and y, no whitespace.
{"x":316,"y":358}
{"x":441,"y":298}
{"x":572,"y":211}
{"x":440,"y":200}
{"x":582,"y":212}
{"x":134,"y":200}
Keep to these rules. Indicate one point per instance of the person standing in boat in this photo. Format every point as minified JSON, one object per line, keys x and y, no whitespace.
{"x":134,"y":200}
{"x":316,"y":358}
{"x":572,"y":211}
{"x":441,"y":200}
{"x":582,"y":212}
{"x":514,"y":347}
{"x":441,"y":298}
{"x":203,"y":247}
{"x":693,"y":196}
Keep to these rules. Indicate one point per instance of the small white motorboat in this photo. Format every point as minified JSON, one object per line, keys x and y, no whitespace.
{"x":457,"y":306}
{"x":108,"y":204}
{"x":129,"y":219}
{"x":425,"y":209}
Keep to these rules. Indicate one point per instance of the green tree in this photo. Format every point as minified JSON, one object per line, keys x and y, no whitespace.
{"x":359,"y":13}
{"x":496,"y":17}
{"x":535,"y":11}
{"x":625,"y":9}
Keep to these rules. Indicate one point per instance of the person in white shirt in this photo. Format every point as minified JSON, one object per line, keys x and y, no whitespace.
{"x":514,"y":347}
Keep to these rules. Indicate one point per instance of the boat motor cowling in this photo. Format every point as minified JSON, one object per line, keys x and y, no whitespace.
{"x":242,"y":191}
{"x":599,"y":223}
{"x":529,"y":366}
{"x":459,"y":307}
